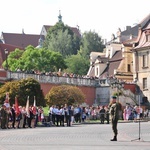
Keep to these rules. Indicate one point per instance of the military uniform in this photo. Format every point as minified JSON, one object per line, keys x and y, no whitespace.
{"x":114,"y":114}
{"x":3,"y":117}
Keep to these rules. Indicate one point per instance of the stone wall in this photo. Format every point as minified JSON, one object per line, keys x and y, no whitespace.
{"x":89,"y":91}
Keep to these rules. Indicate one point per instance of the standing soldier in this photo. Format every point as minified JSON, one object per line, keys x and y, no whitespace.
{"x":3,"y":117}
{"x":115,"y":108}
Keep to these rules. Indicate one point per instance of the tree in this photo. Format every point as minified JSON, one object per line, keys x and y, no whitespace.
{"x":33,"y":59}
{"x":65,"y":94}
{"x":28,"y":59}
{"x":91,"y":42}
{"x":77,"y":64}
{"x":12,"y":59}
{"x":60,"y":38}
{"x":22,"y":89}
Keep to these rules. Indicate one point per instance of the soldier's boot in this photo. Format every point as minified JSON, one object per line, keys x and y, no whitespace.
{"x":114,"y":139}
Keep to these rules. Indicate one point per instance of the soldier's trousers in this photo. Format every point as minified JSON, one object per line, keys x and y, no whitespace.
{"x":114,"y":126}
{"x":3,"y":123}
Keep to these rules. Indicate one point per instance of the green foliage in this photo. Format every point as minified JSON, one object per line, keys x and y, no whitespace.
{"x":77,"y":64}
{"x":61,"y":43}
{"x":33,"y":59}
{"x":13,"y":59}
{"x":65,"y":94}
{"x":22,"y":89}
{"x":26,"y":61}
{"x":60,"y":38}
{"x":91,"y":42}
{"x":57,"y":60}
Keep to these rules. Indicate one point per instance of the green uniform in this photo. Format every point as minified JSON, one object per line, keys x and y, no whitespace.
{"x":114,"y":114}
{"x":3,"y":118}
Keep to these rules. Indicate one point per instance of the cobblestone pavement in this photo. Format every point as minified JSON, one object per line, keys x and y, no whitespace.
{"x":77,"y":137}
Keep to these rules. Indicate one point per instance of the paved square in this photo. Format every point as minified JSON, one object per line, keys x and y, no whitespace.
{"x":77,"y":137}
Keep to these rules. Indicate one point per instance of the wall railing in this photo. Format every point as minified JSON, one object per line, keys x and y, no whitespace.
{"x":58,"y":79}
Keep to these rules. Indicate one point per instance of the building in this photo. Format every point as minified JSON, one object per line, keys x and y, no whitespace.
{"x":141,"y":61}
{"x":45,"y":28}
{"x":11,"y":41}
{"x":116,"y":59}
{"x":21,"y":40}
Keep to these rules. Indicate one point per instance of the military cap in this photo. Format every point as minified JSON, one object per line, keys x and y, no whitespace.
{"x":114,"y":97}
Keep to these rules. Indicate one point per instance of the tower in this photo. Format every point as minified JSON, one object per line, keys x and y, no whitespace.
{"x":59,"y":17}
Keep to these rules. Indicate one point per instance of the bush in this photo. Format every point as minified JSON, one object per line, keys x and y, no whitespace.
{"x":65,"y":94}
{"x":22,"y":89}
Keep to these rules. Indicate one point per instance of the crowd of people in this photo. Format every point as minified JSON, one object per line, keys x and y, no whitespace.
{"x":10,"y":117}
{"x":23,"y":117}
{"x":59,"y":74}
{"x":134,"y":112}
{"x":28,"y":117}
{"x":76,"y":114}
{"x":19,"y":116}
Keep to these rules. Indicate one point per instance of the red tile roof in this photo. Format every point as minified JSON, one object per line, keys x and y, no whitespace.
{"x":114,"y":63}
{"x":117,"y":56}
{"x":20,"y":40}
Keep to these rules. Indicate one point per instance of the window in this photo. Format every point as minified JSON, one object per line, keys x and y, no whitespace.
{"x":144,"y":83}
{"x":97,"y":71}
{"x":129,"y":68}
{"x":145,"y":61}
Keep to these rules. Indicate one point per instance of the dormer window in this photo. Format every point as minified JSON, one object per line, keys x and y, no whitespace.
{"x":148,"y":38}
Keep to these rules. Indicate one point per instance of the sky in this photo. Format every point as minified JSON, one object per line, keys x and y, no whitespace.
{"x":101,"y":16}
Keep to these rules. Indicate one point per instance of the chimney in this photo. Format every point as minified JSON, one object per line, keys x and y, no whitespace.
{"x":128,"y":28}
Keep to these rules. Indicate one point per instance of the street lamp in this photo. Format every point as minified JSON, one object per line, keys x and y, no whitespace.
{"x":6,"y":54}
